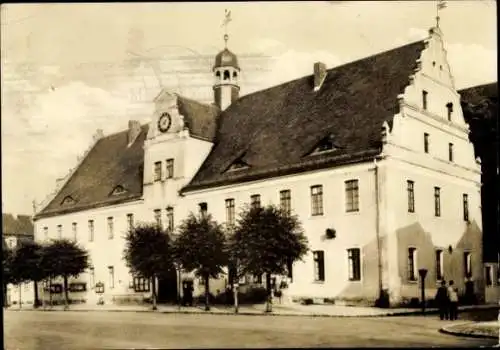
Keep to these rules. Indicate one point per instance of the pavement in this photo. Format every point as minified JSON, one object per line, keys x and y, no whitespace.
{"x":320,"y":310}
{"x":488,"y":330}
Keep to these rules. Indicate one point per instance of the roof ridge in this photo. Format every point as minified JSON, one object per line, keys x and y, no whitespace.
{"x":195,"y":101}
{"x":336,"y":67}
{"x":495,"y":82}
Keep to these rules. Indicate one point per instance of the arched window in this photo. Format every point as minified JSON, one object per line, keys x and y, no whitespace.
{"x":217,"y":74}
{"x":227,"y":75}
{"x":235,"y":75}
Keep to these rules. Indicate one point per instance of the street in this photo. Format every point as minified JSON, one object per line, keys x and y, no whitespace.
{"x":37,"y":330}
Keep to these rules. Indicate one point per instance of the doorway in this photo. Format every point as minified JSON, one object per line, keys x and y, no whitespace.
{"x":167,"y":287}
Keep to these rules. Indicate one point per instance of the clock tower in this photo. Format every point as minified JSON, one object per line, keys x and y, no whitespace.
{"x":226,"y":74}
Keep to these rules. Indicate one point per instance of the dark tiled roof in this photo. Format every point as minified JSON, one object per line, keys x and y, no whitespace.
{"x":110,"y":163}
{"x":22,"y":225}
{"x":274,"y":130}
{"x":200,"y":118}
{"x":477,"y":94}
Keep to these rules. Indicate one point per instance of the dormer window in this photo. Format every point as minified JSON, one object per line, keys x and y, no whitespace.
{"x":118,"y":190}
{"x":238,"y":164}
{"x":68,"y":200}
{"x":449,"y":108}
{"x":324,"y":145}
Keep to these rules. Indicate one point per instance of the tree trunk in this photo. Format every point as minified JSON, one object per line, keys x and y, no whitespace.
{"x":269,"y":307}
{"x":207,"y":292}
{"x":37,"y":299}
{"x":153,"y":295}
{"x":19,"y":287}
{"x":66,"y":296}
{"x":50,"y":292}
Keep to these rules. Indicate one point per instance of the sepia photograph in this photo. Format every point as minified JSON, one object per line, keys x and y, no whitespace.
{"x":250,"y":174}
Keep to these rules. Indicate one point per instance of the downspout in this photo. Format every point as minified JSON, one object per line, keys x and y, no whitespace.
{"x":379,"y":302}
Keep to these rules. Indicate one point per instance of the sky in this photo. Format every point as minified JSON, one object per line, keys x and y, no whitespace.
{"x":70,"y":69}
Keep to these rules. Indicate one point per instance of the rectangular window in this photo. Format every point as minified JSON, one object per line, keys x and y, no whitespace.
{"x":170,"y":219}
{"x":255,"y":201}
{"x":449,"y":108}
{"x":319,"y":265}
{"x":286,"y":201}
{"x":111,"y":275}
{"x":467,"y":265}
{"x":437,"y":201}
{"x":110,"y":228}
{"x":74,"y":230}
{"x":170,"y":168}
{"x":230,"y":211}
{"x":91,"y":277}
{"x":465,"y":201}
{"x":157,"y":217}
{"x":317,"y":200}
{"x":157,"y":171}
{"x":424,"y":99}
{"x":489,"y":275}
{"x":426,"y":142}
{"x":45,"y":233}
{"x":352,"y":195}
{"x":203,"y":208}
{"x":353,"y":256}
{"x":141,"y":284}
{"x":130,"y":221}
{"x":439,"y":264}
{"x":412,"y":264}
{"x":411,"y":196}
{"x":91,"y":230}
{"x":450,"y":152}
{"x":59,"y":231}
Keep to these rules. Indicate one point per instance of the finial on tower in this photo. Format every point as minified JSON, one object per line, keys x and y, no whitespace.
{"x":227,"y":19}
{"x":441,"y":4}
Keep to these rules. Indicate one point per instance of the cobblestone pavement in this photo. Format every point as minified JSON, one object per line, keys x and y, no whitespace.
{"x":34,"y":330}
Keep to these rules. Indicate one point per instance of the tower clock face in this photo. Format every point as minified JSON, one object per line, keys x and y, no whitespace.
{"x":164,"y":122}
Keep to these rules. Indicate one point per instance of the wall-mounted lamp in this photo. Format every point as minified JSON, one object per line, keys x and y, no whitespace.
{"x":450,"y":249}
{"x":330,"y":233}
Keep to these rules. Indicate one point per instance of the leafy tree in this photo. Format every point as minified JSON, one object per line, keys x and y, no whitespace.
{"x":148,"y":253}
{"x":6,"y":265}
{"x":201,"y":247}
{"x":266,"y":240}
{"x":26,"y":265}
{"x":64,"y":258}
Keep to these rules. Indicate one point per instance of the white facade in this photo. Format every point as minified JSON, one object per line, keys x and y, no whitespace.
{"x":382,"y":227}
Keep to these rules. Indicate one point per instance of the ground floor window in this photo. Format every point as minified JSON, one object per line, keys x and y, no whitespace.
{"x":319,"y":265}
{"x":353,"y":256}
{"x":141,"y":284}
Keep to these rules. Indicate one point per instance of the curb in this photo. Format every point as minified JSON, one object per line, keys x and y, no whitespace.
{"x":450,"y":331}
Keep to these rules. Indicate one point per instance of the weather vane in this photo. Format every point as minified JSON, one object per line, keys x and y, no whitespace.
{"x":227,"y":19}
{"x":441,"y":4}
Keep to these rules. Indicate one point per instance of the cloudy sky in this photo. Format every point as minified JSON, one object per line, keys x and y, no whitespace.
{"x":69,"y":69}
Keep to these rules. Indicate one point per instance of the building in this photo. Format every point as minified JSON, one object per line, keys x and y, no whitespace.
{"x":373,"y":156}
{"x":15,"y":230}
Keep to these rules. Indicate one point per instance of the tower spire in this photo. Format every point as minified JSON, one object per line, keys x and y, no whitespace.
{"x":441,"y":4}
{"x":227,"y":19}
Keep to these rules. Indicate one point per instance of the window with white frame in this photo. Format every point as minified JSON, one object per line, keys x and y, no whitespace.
{"x":412,"y":264}
{"x":316,"y":200}
{"x":319,"y":265}
{"x":111,"y":228}
{"x":437,"y":201}
{"x":170,"y":219}
{"x":170,"y":168}
{"x":230,"y":211}
{"x":410,"y":188}
{"x":352,"y":195}
{"x":286,"y":201}
{"x":439,"y":264}
{"x":157,"y":171}
{"x":130,"y":221}
{"x":354,"y":262}
{"x":141,"y":284}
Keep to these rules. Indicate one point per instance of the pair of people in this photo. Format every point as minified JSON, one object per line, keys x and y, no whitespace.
{"x":447,"y":300}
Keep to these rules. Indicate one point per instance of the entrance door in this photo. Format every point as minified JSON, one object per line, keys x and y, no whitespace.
{"x":167,"y":287}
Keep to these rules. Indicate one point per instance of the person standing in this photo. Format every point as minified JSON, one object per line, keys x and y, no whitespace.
{"x":453,"y":296}
{"x":443,"y":301}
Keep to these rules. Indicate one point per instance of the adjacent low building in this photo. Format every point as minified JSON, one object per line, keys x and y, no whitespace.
{"x":373,"y":156}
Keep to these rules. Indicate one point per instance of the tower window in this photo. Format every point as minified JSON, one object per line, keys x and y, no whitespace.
{"x":217,"y":74}
{"x":450,"y":152}
{"x":424,"y":99}
{"x":235,"y":75}
{"x":426,"y":142}
{"x":227,"y":75}
{"x":449,"y":108}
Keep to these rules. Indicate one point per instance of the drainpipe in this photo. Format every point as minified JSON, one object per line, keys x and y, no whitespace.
{"x":377,"y":230}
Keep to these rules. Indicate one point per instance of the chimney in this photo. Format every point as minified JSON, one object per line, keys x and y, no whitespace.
{"x":134,"y":129}
{"x":319,"y":75}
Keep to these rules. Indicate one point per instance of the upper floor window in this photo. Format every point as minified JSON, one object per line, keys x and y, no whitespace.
{"x":91,"y":230}
{"x":317,"y":200}
{"x":203,"y":208}
{"x":411,"y":196}
{"x":449,"y":109}
{"x":412,"y":264}
{"x":319,"y":265}
{"x":255,"y":201}
{"x":157,"y":171}
{"x":354,"y":260}
{"x":74,"y":229}
{"x":285,"y":201}
{"x":426,"y":142}
{"x":110,"y":227}
{"x":450,"y":152}
{"x":465,"y":202}
{"x":437,"y":201}
{"x":157,"y":217}
{"x":170,"y":219}
{"x":230,"y":211}
{"x":352,"y":195}
{"x":424,"y":99}
{"x":59,"y":231}
{"x":170,"y":168}
{"x":130,"y":221}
